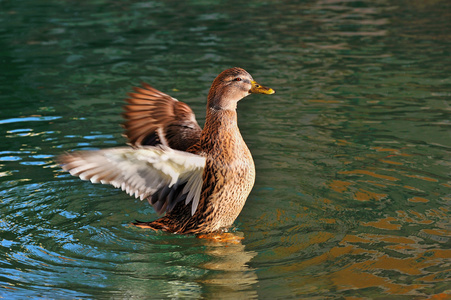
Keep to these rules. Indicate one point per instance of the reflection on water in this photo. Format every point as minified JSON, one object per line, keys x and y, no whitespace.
{"x":352,"y":153}
{"x":116,"y":259}
{"x":193,"y":269}
{"x":238,"y":279}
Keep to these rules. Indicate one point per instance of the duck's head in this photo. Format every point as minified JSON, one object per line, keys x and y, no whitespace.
{"x":231,"y":86}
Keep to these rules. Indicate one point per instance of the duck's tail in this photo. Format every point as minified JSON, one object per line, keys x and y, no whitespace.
{"x":152,"y":225}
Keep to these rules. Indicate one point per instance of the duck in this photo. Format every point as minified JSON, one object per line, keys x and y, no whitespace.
{"x":196,"y":179}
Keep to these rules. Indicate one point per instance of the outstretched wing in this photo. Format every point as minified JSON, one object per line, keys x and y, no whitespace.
{"x":162,"y":175}
{"x":153,"y":118}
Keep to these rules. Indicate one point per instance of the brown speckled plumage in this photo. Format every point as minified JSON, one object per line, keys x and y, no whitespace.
{"x":220,"y":155}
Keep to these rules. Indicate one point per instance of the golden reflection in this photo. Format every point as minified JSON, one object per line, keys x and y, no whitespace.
{"x":363,"y":195}
{"x":413,"y":217}
{"x":224,"y":237}
{"x":230,"y":274}
{"x":391,"y":162}
{"x":373,"y":268}
{"x":295,"y":243}
{"x":418,"y":199}
{"x":420,"y":177}
{"x":438,"y":232}
{"x":398,"y":247}
{"x":418,"y":262}
{"x":369,"y":173}
{"x":384,"y":223}
{"x":339,"y":186}
{"x":412,"y":188}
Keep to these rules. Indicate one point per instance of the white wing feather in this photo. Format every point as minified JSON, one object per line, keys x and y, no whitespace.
{"x":140,"y":171}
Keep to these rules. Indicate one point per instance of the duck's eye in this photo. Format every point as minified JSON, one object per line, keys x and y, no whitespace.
{"x":237,"y":79}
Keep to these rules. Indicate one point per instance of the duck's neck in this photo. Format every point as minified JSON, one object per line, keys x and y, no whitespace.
{"x":220,"y":99}
{"x":220,"y":130}
{"x":221,"y":119}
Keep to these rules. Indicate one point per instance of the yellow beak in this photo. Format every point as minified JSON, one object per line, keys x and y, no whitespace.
{"x":259,"y":89}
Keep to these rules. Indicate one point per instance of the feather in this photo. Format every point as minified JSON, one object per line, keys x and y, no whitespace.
{"x":148,"y":171}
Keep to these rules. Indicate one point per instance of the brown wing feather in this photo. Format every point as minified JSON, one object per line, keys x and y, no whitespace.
{"x":152,"y":118}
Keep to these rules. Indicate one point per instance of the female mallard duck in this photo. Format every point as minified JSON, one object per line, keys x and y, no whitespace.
{"x":199,"y":178}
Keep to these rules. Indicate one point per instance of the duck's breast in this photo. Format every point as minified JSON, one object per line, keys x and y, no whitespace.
{"x":231,"y":167}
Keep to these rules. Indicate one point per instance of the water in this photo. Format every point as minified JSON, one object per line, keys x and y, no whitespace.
{"x":352,"y":152}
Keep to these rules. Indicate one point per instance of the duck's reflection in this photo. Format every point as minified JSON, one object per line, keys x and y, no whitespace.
{"x":229,"y":275}
{"x":187,"y":267}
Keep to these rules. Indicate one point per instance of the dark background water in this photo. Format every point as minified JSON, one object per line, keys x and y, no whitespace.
{"x":352,"y":152}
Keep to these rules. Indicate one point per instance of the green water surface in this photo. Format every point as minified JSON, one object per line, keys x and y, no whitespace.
{"x":352,"y":153}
